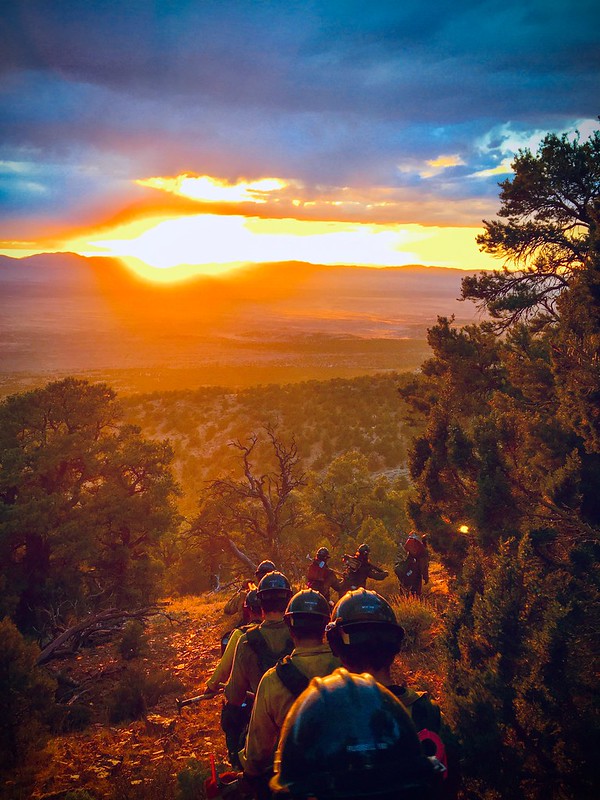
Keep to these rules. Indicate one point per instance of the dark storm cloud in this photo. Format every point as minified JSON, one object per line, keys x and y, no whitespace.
{"x":334,"y":92}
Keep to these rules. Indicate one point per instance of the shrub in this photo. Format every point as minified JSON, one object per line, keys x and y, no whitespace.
{"x":26,"y":696}
{"x":134,"y":642}
{"x":127,"y":701}
{"x":417,"y":618}
{"x":138,"y":691}
{"x":191,"y":781}
{"x":75,"y":717}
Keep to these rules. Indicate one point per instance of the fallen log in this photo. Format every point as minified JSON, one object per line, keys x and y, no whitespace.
{"x":57,"y":648}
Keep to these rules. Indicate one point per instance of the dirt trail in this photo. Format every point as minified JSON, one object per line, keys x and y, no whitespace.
{"x":142,"y":759}
{"x":135,"y":756}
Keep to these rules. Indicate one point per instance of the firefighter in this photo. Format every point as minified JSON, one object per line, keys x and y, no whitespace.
{"x":235,"y":604}
{"x":320,"y":576}
{"x":359,"y":568}
{"x":346,"y":737}
{"x":252,"y":612}
{"x":412,"y":566}
{"x":257,"y":650}
{"x":366,"y":636}
{"x":306,"y":617}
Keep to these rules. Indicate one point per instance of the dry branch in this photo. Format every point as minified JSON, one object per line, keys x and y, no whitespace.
{"x":57,"y":648}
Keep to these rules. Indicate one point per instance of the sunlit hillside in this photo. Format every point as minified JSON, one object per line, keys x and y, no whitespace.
{"x":326,"y":419}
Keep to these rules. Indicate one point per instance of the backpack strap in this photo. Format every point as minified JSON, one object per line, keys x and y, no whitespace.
{"x":266,"y":657}
{"x":423,"y":712}
{"x":245,"y":628}
{"x":294,"y":680}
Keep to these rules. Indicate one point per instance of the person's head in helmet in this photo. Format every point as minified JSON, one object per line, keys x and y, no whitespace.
{"x":322,"y":555}
{"x":345,"y":737}
{"x":274,"y":592}
{"x":362,"y":552}
{"x":252,"y":606}
{"x":364,"y":633}
{"x":306,"y":616}
{"x":263,"y":569}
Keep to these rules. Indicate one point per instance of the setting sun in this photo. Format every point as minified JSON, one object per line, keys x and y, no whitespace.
{"x":222,"y":236}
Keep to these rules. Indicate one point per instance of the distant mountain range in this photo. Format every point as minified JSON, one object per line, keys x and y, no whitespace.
{"x":63,"y":312}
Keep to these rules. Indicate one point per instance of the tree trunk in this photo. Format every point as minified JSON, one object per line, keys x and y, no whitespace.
{"x":240,"y":555}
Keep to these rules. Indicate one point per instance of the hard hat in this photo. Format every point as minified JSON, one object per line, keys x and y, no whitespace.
{"x":263,"y":568}
{"x":307,"y":608}
{"x":274,"y":585}
{"x":251,"y":601}
{"x":347,"y":736}
{"x":363,"y":550}
{"x":322,"y":554}
{"x":363,"y":617}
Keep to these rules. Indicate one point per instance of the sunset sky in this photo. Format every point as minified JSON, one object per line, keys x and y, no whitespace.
{"x":198,"y":135}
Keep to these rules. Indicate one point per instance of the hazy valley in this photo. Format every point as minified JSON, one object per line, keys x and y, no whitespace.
{"x":66,"y":314}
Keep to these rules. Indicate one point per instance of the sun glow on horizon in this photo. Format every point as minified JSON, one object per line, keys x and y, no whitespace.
{"x":204,"y":188}
{"x":179,"y":247}
{"x":170,"y":243}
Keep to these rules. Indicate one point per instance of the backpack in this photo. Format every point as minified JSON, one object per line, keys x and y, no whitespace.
{"x":415,"y":547}
{"x":294,"y":680}
{"x":427,"y":719}
{"x":266,"y":657}
{"x":227,"y":635}
{"x":316,"y":575}
{"x":406,"y":569}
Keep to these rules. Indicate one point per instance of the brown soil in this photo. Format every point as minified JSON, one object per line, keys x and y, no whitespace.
{"x":134,"y":759}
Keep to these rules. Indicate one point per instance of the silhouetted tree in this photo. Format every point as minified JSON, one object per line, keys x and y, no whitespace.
{"x":84,"y":501}
{"x":511,"y":448}
{"x":250,"y":515}
{"x":548,"y":208}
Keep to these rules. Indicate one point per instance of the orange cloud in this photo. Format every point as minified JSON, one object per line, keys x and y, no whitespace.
{"x":206,"y":189}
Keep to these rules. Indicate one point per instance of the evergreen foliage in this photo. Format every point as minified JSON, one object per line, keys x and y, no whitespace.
{"x":510,"y":449}
{"x":26,"y":696}
{"x":84,"y":503}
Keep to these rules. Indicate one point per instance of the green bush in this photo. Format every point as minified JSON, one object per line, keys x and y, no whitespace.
{"x":191,"y":781}
{"x":26,"y":696}
{"x":138,"y":691}
{"x":134,"y":642}
{"x":75,"y":717}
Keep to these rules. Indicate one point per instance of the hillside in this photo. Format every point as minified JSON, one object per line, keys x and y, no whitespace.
{"x":165,"y":755}
{"x":326,"y":419}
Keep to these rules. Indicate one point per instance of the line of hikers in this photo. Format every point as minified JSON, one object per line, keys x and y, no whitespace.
{"x":411,"y":569}
{"x":310,"y":707}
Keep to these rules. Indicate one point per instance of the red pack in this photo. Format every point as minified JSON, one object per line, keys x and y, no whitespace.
{"x":316,"y":574}
{"x":414,"y":547}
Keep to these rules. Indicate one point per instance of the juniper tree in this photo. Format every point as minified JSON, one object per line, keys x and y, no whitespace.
{"x":511,"y":447}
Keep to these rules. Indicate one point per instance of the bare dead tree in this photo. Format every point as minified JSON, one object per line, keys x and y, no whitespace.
{"x":258,"y":508}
